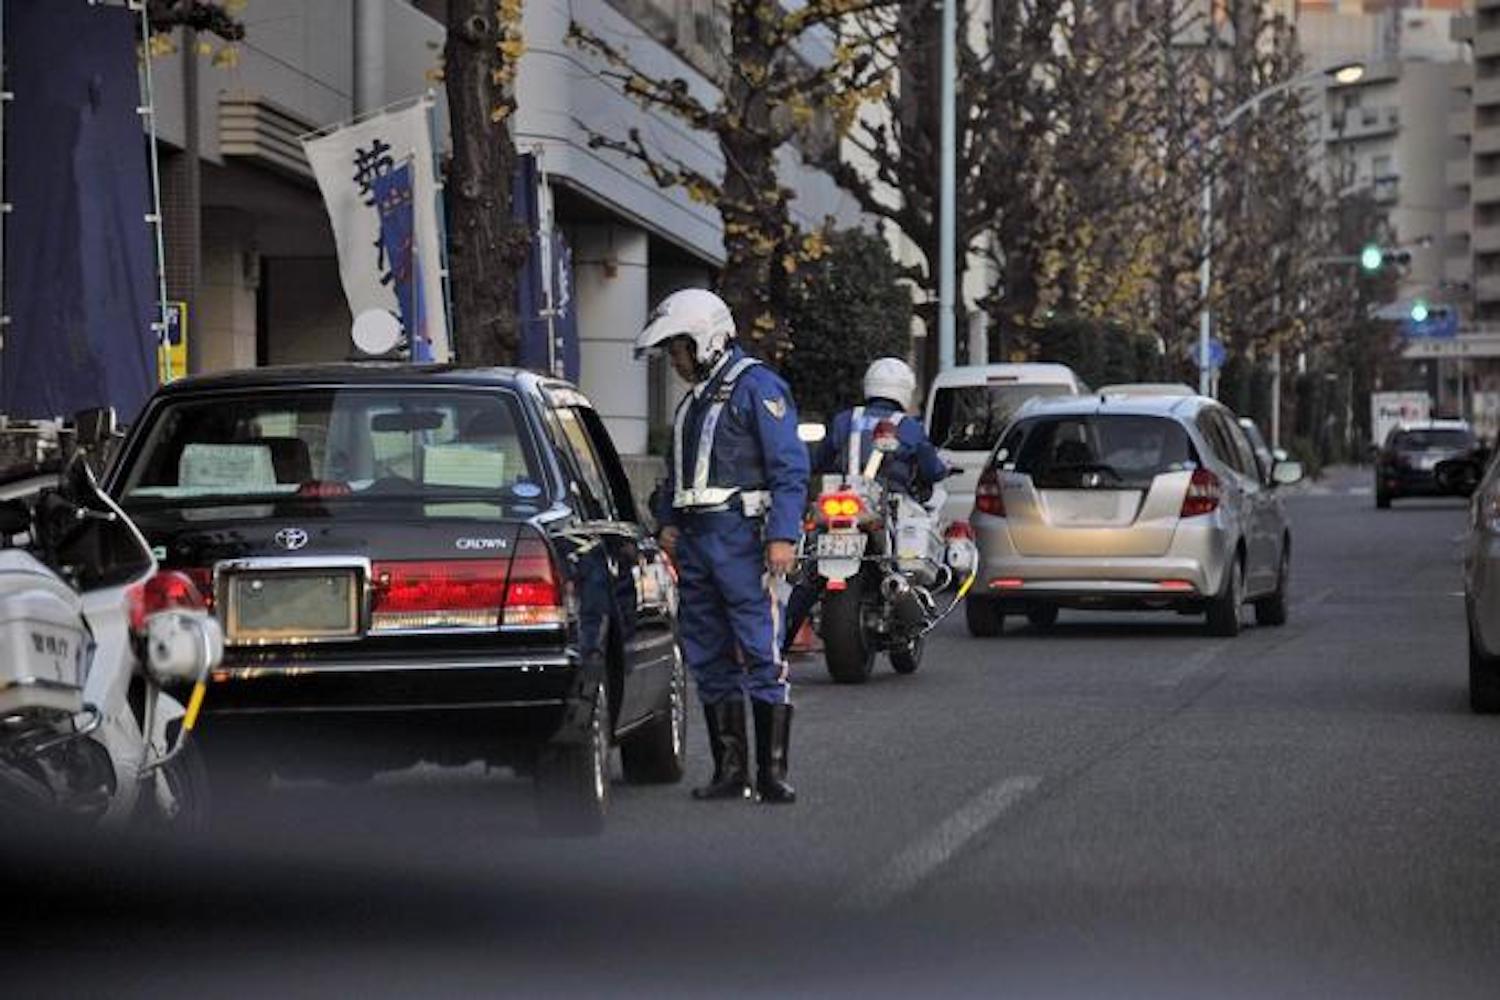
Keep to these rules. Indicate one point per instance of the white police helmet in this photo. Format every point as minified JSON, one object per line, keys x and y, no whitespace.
{"x":890,"y":378}
{"x":692,"y":312}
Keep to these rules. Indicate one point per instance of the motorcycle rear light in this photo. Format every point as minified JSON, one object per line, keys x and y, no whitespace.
{"x":166,"y":590}
{"x":1203,"y":494}
{"x":988,"y":497}
{"x":959,"y":531}
{"x":437,"y":595}
{"x":840,"y":505}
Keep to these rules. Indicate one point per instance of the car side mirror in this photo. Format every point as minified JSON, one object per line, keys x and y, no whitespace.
{"x":182,"y":646}
{"x":93,"y":428}
{"x":1286,"y":473}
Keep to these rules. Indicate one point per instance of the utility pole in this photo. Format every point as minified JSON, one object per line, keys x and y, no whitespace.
{"x":947,"y":221}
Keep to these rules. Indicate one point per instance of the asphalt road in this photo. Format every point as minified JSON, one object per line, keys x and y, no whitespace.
{"x":1121,"y":806}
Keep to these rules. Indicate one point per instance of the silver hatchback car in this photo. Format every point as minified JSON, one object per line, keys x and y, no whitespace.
{"x":1129,"y":502}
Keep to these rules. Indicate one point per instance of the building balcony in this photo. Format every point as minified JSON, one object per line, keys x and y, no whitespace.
{"x":1461,"y":28}
{"x":1487,"y":288}
{"x":1486,"y":43}
{"x":1458,"y":220}
{"x":1460,"y":173}
{"x":1461,"y":121}
{"x":1485,"y":190}
{"x":1486,"y":91}
{"x":1486,"y":238}
{"x":1361,"y":123}
{"x":1486,"y":140}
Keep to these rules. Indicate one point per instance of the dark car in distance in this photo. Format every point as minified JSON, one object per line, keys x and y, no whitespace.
{"x":1405,"y":465}
{"x":415,"y":563}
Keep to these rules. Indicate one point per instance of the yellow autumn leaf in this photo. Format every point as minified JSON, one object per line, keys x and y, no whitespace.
{"x":227,"y":58}
{"x":499,"y":114}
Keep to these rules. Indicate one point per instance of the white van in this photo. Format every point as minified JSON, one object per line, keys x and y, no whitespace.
{"x":968,"y":407}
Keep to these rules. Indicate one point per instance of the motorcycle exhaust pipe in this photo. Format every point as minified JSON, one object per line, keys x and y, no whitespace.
{"x":904,"y":601}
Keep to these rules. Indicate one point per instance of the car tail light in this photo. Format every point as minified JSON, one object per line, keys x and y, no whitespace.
{"x":437,"y":594}
{"x":533,"y":595}
{"x":1176,"y":586}
{"x":988,"y":498}
{"x":1203,"y":494}
{"x":165,"y":590}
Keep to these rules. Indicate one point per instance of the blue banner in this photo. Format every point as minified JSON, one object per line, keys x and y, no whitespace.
{"x":547,"y":335}
{"x":80,"y":266}
{"x":392,"y":192}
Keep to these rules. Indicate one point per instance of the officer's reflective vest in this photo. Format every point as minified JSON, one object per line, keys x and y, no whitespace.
{"x":696,"y":493}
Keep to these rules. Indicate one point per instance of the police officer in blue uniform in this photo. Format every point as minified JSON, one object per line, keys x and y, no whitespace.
{"x":730,"y":514}
{"x":914,"y":468}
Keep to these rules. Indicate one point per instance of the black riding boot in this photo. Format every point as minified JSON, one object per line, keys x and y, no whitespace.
{"x":726,"y":735}
{"x":773,"y":726}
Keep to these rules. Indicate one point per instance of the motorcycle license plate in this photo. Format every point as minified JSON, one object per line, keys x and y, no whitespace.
{"x":840,"y":546}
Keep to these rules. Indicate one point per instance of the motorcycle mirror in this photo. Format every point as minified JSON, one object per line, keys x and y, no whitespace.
{"x":182,"y":646}
{"x":811,"y":433}
{"x":885,"y":437}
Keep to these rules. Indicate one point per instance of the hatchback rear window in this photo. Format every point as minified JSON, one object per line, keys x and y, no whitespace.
{"x":1098,"y":451}
{"x":336,"y":445}
{"x":971,"y":417}
{"x":1423,"y":440}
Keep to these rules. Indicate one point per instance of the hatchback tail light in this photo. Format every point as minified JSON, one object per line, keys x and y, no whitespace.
{"x":988,"y":497}
{"x":1203,"y":494}
{"x":165,"y":590}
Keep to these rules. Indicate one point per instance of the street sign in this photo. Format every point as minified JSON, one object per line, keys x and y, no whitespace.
{"x":1438,"y":323}
{"x":1217,"y":354}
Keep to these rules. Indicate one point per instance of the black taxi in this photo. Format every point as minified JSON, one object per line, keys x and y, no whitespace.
{"x":414,"y":563}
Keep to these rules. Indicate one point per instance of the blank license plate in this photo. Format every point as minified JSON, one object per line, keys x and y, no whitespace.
{"x":292,"y":606}
{"x":840,"y":546}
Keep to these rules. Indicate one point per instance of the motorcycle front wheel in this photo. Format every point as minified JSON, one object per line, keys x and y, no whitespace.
{"x":848,"y":649}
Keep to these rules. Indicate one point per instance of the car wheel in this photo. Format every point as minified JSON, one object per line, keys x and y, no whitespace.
{"x":1042,"y":616}
{"x":1484,"y":680}
{"x":848,"y":651}
{"x":1271,"y":610}
{"x":984,"y":617}
{"x":1224,"y":611}
{"x":657,"y":753}
{"x":572,"y":779}
{"x":906,"y":658}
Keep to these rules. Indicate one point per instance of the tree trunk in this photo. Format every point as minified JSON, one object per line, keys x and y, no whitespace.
{"x":486,"y":247}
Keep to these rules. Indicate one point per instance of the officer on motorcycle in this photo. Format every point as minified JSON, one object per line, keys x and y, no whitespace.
{"x":730,"y":513}
{"x":914,"y":468}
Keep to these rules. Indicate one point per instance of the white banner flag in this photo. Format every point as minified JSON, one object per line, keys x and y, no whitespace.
{"x":377,"y":181}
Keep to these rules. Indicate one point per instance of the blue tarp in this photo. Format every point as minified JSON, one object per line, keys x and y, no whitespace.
{"x":79,"y":263}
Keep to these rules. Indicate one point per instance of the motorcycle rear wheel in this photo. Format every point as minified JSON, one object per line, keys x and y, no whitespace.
{"x":848,"y":650}
{"x":906,"y":658}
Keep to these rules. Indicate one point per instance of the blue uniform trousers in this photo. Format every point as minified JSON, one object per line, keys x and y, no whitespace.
{"x":729,"y":616}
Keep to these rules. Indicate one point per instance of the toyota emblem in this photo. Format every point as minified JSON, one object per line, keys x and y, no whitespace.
{"x":291,"y":539}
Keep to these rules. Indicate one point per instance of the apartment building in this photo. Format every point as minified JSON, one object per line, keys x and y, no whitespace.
{"x":248,"y":242}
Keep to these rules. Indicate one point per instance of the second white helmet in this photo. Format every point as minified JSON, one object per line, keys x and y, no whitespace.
{"x":691,"y":312}
{"x":890,"y":378}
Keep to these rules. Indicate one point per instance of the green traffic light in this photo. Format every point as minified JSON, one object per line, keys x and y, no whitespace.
{"x":1419,"y":311}
{"x":1371,"y":257}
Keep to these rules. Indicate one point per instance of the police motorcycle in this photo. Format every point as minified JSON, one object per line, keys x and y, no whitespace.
{"x":884,"y":562}
{"x":92,"y":638}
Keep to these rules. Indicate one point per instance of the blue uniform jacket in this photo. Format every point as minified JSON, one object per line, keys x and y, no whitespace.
{"x":913,"y":468}
{"x":755,"y":447}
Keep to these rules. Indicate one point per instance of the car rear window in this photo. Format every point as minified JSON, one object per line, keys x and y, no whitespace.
{"x":1423,"y":440}
{"x":1103,"y":451}
{"x":971,"y":417}
{"x":337,"y":445}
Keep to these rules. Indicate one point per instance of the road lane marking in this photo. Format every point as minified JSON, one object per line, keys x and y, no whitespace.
{"x":929,"y":853}
{"x":1361,"y":491}
{"x":1185,"y":670}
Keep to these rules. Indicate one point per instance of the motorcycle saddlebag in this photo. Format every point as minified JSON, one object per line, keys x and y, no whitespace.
{"x":44,"y":643}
